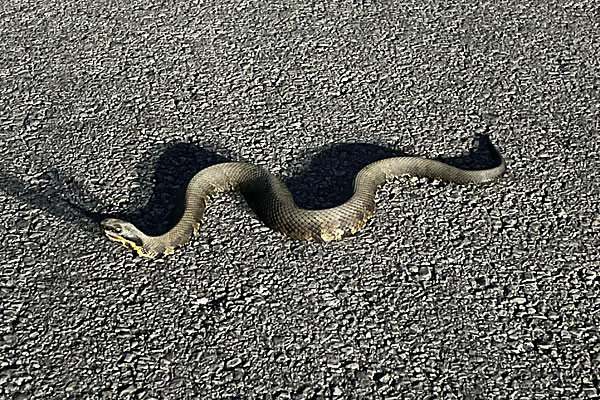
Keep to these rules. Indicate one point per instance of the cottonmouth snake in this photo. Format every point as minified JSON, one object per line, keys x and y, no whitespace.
{"x":274,"y":204}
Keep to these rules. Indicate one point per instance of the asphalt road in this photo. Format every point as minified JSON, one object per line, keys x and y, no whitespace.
{"x":469,"y":292}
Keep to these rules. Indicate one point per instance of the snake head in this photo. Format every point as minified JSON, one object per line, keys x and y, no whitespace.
{"x":125,"y":233}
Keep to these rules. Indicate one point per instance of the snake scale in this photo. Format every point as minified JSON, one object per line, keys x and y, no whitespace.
{"x":276,"y":207}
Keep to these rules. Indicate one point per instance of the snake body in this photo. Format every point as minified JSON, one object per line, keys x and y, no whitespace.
{"x":274,"y":204}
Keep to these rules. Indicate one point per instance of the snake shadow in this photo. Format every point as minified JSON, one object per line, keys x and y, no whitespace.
{"x":66,"y":197}
{"x":324,"y":181}
{"x":328,"y":180}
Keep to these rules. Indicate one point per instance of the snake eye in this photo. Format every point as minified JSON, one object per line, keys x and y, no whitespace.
{"x":113,"y":229}
{"x":111,"y":226}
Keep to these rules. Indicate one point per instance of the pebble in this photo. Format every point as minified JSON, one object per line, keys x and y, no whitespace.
{"x":234,"y":362}
{"x":425,"y":273}
{"x":203,"y":300}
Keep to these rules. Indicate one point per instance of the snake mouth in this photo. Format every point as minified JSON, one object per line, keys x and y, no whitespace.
{"x":117,"y":234}
{"x":110,"y":233}
{"x":130,"y":244}
{"x":112,"y":236}
{"x":126,"y":234}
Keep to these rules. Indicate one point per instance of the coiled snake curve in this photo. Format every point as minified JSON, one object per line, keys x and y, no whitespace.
{"x":276,"y":207}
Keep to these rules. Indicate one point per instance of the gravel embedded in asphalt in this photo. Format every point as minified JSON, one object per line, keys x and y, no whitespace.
{"x":449,"y":292}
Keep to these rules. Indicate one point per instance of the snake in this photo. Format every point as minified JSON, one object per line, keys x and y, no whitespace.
{"x":275,"y":206}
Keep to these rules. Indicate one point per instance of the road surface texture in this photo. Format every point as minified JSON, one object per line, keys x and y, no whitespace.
{"x":468,"y":292}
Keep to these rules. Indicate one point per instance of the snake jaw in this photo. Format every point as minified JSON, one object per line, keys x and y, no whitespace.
{"x":126,"y":234}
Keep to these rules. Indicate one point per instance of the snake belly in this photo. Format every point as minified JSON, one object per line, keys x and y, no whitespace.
{"x":275,"y":205}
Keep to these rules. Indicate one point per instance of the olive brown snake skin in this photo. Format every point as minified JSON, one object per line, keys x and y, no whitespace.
{"x":276,"y":207}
